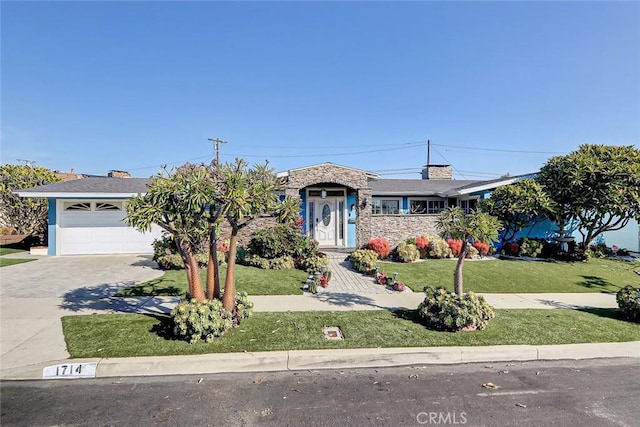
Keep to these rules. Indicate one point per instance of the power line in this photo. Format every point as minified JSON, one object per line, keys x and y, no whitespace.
{"x":500,"y":149}
{"x":327,"y":154}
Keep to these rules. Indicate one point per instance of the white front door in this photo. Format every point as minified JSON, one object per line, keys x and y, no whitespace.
{"x":324,"y":221}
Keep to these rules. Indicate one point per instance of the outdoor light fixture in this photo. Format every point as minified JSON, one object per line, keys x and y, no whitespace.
{"x":364,"y":202}
{"x":323,"y":193}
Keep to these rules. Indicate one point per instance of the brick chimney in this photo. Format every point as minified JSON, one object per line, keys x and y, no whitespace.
{"x":434,"y":172}
{"x":118,"y":174}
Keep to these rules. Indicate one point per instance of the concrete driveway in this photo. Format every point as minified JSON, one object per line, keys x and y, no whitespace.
{"x":35,"y":295}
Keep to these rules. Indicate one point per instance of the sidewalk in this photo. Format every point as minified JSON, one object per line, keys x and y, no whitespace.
{"x":32,"y":334}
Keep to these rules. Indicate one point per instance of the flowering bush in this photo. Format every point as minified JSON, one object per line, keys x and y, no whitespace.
{"x":381,"y":278}
{"x":438,"y":248}
{"x":407,"y":252}
{"x":380,"y":246}
{"x":363,"y":260}
{"x":422,"y":243}
{"x":512,"y":249}
{"x":455,"y":245}
{"x":483,"y":248}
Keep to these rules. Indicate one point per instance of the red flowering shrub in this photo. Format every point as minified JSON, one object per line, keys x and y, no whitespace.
{"x":380,"y":246}
{"x":423,"y":246}
{"x":512,"y":249}
{"x":483,"y":248}
{"x":455,"y":245}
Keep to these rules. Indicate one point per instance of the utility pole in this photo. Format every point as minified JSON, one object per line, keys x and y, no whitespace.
{"x":27,"y":162}
{"x":216,"y":146}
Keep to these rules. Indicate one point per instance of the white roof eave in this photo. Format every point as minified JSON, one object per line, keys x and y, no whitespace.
{"x":75,"y":195}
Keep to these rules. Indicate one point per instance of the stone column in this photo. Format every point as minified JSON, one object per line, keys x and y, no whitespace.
{"x":363,"y":221}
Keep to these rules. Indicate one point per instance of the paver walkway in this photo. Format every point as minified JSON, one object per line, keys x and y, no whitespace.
{"x":345,"y":279}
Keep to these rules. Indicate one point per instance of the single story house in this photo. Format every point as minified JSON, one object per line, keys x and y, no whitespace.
{"x":342,"y":207}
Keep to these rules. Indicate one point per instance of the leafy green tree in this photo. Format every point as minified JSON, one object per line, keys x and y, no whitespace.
{"x":517,"y":206}
{"x":454,"y":223}
{"x":597,"y":185}
{"x":244,"y":194}
{"x":177,"y":201}
{"x":26,"y":215}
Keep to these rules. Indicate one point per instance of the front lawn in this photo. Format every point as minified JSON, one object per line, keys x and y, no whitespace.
{"x":6,"y":250}
{"x":127,"y":335}
{"x":5,"y":262}
{"x":516,"y":276}
{"x":251,"y":280}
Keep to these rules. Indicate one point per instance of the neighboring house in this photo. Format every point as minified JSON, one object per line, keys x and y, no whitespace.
{"x":341,"y":207}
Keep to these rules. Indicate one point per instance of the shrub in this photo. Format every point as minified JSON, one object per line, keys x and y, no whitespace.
{"x":455,"y":245}
{"x":422,"y":242}
{"x":194,"y":321}
{"x":283,"y":243}
{"x":166,"y":255}
{"x":472,"y":252}
{"x":444,"y":310}
{"x":512,"y":249}
{"x":531,"y":248}
{"x":364,"y":260}
{"x":438,"y":248}
{"x":629,"y":302}
{"x":380,"y":246}
{"x":312,"y":263}
{"x":407,"y":252}
{"x":281,"y":263}
{"x":481,"y":247}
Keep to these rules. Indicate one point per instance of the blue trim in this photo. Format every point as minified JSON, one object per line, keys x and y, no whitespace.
{"x":52,"y":217}
{"x":351,"y":227}
{"x":303,"y":209}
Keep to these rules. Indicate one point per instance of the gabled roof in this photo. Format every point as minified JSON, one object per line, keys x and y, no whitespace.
{"x":90,"y":187}
{"x":286,"y":173}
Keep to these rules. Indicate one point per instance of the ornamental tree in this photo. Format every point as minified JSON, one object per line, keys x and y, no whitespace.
{"x":177,"y":201}
{"x":244,"y":194}
{"x":517,"y":206}
{"x":26,"y":215}
{"x":597,"y":185}
{"x":453,"y":223}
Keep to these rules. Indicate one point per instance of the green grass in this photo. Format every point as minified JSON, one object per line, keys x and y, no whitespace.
{"x":7,"y":251}
{"x":515,"y":276}
{"x":126,"y":335}
{"x":252,"y":280}
{"x":5,"y":262}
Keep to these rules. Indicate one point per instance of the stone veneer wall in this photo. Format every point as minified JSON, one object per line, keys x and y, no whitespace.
{"x":341,"y":176}
{"x":396,"y":228}
{"x":244,"y":235}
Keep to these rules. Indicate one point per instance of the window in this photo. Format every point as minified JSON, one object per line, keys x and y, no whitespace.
{"x":435,"y":206}
{"x":385,"y":206}
{"x":417,"y":206}
{"x":103,"y":206}
{"x":426,"y":206}
{"x":468,"y":205}
{"x":77,"y":206}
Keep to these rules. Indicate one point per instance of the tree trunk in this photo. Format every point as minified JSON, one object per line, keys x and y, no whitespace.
{"x":229,"y":297}
{"x":457,"y":275}
{"x":195,"y":282}
{"x":213,"y":270}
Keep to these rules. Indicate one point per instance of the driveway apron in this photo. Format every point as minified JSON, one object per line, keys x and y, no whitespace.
{"x":35,"y":295}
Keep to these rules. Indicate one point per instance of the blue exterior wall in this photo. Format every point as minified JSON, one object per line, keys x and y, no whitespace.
{"x":52,"y":218}
{"x":351,"y":227}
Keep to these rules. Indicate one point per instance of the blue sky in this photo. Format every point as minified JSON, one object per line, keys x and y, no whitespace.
{"x":498,"y":87}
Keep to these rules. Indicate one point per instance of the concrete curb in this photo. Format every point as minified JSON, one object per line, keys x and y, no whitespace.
{"x":332,"y":359}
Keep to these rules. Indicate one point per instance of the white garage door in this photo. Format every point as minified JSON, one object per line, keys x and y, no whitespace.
{"x":97,"y":227}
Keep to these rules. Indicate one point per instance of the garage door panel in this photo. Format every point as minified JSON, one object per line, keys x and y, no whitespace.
{"x":104,"y":240}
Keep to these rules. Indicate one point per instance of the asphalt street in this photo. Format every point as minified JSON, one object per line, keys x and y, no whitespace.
{"x":596,"y":392}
